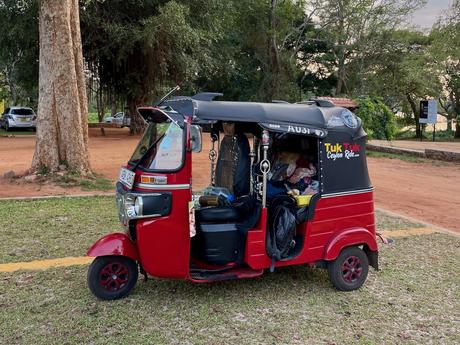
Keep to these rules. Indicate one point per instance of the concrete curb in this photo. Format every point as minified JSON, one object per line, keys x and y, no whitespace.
{"x":44,"y":197}
{"x":396,"y":150}
{"x":447,"y":156}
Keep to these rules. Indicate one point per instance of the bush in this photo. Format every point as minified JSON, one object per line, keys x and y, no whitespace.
{"x":378,"y":120}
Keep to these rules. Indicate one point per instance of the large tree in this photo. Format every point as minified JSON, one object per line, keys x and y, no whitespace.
{"x":446,"y":50}
{"x":62,"y":130}
{"x":138,"y":49}
{"x":400,"y":68}
{"x":254,"y":57}
{"x":352,"y":24}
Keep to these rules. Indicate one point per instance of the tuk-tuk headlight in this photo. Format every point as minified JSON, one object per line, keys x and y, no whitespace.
{"x":133,"y":206}
{"x":138,"y":206}
{"x":129,"y":206}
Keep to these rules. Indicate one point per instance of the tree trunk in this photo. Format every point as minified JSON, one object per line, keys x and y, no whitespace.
{"x":340,"y":54}
{"x":457,"y":128}
{"x":12,"y":86}
{"x":113,"y":102}
{"x":62,"y":128}
{"x":449,"y":124}
{"x":273,"y":55}
{"x":100,"y":107}
{"x":341,"y":74}
{"x":137,"y":124}
{"x":415,"y":111}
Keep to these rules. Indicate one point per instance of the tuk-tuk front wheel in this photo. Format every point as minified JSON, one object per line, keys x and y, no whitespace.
{"x":349,"y":271}
{"x":112,"y":277}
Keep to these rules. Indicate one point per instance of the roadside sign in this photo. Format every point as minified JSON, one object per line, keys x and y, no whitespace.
{"x":429,"y":111}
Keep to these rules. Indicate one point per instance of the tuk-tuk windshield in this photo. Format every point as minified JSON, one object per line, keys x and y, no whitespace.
{"x":161,"y":147}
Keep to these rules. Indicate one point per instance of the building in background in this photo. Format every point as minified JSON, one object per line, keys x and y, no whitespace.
{"x":341,"y":102}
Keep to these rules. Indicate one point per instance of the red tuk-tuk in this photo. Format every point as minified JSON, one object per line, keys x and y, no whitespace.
{"x":289,"y":185}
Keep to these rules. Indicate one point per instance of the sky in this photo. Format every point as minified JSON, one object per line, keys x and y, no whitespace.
{"x":426,"y":16}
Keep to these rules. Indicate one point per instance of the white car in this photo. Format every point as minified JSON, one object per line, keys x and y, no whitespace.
{"x":119,"y":119}
{"x":18,"y":117}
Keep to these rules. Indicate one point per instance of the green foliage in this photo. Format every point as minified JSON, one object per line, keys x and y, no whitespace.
{"x":378,"y":120}
{"x":93,"y":118}
{"x":242,"y":67}
{"x":19,"y":50}
{"x":139,"y":48}
{"x":351,"y":28}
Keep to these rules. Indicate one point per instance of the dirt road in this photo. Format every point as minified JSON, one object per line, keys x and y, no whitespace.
{"x":426,"y":191}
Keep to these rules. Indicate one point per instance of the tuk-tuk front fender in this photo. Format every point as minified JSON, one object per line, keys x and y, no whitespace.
{"x":348,"y":238}
{"x":114,"y":244}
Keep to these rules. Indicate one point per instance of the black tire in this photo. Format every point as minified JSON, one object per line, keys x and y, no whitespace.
{"x":349,"y":271}
{"x":112,"y":277}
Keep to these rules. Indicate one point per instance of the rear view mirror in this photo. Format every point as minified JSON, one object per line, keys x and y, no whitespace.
{"x":195,"y":138}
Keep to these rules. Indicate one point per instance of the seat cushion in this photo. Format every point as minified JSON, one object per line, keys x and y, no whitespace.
{"x":227,"y":214}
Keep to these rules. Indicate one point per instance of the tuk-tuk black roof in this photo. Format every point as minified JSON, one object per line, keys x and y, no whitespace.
{"x":282,"y":117}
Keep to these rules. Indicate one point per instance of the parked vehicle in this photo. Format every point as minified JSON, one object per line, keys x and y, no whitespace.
{"x":119,"y":119}
{"x":18,"y":117}
{"x":298,"y":194}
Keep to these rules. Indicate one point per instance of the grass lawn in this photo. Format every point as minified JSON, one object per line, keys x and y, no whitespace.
{"x":52,"y":228}
{"x":413,"y":299}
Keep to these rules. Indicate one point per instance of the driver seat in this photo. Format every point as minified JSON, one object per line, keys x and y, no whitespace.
{"x":232,"y":172}
{"x":234,"y":165}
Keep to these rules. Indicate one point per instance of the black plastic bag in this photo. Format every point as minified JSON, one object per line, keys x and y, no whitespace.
{"x":281,"y":229}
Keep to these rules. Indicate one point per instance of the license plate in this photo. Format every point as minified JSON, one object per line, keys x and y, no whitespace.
{"x":24,"y":119}
{"x":126,"y":177}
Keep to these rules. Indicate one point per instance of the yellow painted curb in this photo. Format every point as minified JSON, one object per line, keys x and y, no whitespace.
{"x":45,"y":264}
{"x":409,"y":232}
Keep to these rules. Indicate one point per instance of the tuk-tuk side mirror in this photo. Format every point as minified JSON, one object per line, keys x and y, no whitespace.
{"x":195,"y":138}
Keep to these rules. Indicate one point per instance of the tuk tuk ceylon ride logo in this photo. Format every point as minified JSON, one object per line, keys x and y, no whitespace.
{"x":342,"y":151}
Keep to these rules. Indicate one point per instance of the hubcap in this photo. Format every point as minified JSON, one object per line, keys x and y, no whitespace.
{"x":113,"y":276}
{"x":351,"y":269}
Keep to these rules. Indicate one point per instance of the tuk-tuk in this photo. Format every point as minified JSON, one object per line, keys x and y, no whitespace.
{"x":288,"y":185}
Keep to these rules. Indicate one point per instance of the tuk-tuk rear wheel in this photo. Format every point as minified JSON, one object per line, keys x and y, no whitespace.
{"x":349,"y":271}
{"x":112,"y":277}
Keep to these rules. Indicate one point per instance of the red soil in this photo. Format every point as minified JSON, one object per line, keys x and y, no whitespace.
{"x":424,"y":191}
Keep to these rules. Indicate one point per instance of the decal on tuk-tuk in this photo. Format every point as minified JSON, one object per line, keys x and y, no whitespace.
{"x":342,"y":151}
{"x":295,"y":129}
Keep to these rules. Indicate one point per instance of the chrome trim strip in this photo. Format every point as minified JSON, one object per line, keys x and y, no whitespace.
{"x":162,"y":186}
{"x":353,"y":192}
{"x":141,"y":205}
{"x":146,"y":216}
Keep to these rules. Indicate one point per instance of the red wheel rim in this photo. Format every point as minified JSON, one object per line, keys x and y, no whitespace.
{"x":351,"y":269}
{"x":114,"y":276}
